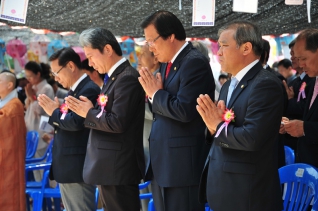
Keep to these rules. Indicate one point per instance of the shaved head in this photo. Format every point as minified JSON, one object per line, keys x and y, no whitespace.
{"x":7,"y":83}
{"x":9,"y":77}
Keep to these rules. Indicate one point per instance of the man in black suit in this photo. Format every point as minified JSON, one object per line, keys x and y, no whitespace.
{"x":306,"y":51}
{"x":296,"y":100}
{"x":70,"y":135}
{"x":115,"y":156}
{"x":177,"y":146}
{"x":241,"y":170}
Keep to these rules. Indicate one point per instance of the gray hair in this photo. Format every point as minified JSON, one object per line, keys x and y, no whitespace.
{"x":245,"y":31}
{"x":10,"y":77}
{"x":202,"y":48}
{"x":97,"y":38}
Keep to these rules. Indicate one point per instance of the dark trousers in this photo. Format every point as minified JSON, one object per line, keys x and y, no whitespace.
{"x":120,"y":197}
{"x":176,"y":198}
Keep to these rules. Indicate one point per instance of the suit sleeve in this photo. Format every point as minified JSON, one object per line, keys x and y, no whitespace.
{"x":72,"y":121}
{"x":128,"y":94}
{"x":193,"y":82}
{"x":311,"y":132}
{"x":261,"y":122}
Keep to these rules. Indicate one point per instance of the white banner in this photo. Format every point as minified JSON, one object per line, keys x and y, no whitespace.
{"x":203,"y":13}
{"x":14,"y":10}
{"x":248,"y":6}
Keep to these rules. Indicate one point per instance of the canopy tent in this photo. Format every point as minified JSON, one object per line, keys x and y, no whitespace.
{"x":123,"y":17}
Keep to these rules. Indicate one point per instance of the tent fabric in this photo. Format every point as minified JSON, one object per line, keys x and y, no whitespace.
{"x":123,"y":17}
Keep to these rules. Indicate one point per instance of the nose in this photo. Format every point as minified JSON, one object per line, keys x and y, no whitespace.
{"x":90,"y":63}
{"x":219,"y":53}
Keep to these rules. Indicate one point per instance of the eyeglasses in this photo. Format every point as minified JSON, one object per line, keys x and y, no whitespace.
{"x":151,"y":43}
{"x":56,"y":73}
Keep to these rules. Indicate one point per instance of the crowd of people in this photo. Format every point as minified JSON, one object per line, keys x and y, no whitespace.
{"x":197,"y":139}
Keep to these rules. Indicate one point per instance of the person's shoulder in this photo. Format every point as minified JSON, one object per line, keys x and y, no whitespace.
{"x":14,"y":107}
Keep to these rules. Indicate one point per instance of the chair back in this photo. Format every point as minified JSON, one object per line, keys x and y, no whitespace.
{"x":289,"y":155}
{"x":301,"y":186}
{"x":31,"y":143}
{"x":49,"y":152}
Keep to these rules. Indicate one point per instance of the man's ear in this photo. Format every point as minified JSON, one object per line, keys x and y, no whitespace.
{"x":10,"y":85}
{"x":108,"y":50}
{"x":247,"y":48}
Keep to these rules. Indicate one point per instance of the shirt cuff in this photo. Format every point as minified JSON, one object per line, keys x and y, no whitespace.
{"x":151,"y":98}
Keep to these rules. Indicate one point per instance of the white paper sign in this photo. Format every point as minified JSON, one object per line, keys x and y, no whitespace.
{"x":300,"y":172}
{"x":14,"y":10}
{"x":203,"y":13}
{"x":248,"y":6}
{"x":294,"y":2}
{"x":44,"y":124}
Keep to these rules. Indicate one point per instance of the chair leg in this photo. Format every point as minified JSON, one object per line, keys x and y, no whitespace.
{"x":151,"y":206}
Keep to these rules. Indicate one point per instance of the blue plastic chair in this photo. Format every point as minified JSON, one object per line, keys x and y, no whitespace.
{"x":289,"y":155}
{"x":47,"y":157}
{"x":301,"y":185}
{"x":32,"y":140}
{"x":38,"y":194}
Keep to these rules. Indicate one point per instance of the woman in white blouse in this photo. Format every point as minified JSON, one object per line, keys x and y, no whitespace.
{"x":37,"y":75}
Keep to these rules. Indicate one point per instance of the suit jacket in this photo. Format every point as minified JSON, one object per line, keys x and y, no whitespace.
{"x":241,"y":169}
{"x":295,"y":110}
{"x":70,"y":138}
{"x":308,"y":144}
{"x":177,"y":138}
{"x":115,"y":154}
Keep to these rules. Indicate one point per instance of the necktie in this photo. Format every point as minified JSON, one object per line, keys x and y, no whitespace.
{"x":314,"y":95}
{"x":231,"y":89}
{"x":70,"y":92}
{"x":106,"y":78}
{"x":168,"y":69}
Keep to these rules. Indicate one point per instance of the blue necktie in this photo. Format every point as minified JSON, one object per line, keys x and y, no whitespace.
{"x":231,"y":89}
{"x":106,"y":78}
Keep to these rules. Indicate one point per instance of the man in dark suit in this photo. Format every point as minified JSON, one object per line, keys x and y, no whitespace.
{"x":241,"y":170}
{"x":177,"y":146}
{"x":115,"y":156}
{"x":306,"y":51}
{"x":296,"y":100}
{"x":70,"y":135}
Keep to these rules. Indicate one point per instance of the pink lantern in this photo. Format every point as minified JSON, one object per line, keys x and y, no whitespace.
{"x":80,"y":52}
{"x":17,"y":49}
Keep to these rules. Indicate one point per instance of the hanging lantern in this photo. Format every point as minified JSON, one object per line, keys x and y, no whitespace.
{"x":128,"y":49}
{"x":17,"y":49}
{"x":2,"y":51}
{"x":80,"y":52}
{"x":38,"y":46}
{"x":56,"y":45}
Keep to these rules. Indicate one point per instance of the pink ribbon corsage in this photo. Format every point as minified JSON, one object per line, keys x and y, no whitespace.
{"x":302,"y":91}
{"x":102,"y":101}
{"x":64,"y":110}
{"x":228,"y":117}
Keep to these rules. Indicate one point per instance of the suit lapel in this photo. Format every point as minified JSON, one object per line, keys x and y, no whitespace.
{"x":80,"y":86}
{"x":113,"y":77}
{"x":308,"y":111}
{"x":176,"y":64}
{"x":244,"y":83}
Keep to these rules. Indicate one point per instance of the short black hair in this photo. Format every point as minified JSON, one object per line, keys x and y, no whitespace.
{"x":98,"y":38}
{"x":166,"y":24}
{"x":85,"y":66}
{"x":222,"y":76}
{"x":292,"y":43}
{"x":285,"y":63}
{"x":43,"y":69}
{"x":66,"y":55}
{"x":311,"y":38}
{"x":265,"y":53}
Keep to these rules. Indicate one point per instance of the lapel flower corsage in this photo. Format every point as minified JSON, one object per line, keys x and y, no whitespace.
{"x":228,"y":117}
{"x":302,"y":91}
{"x":64,"y":110}
{"x":102,"y":101}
